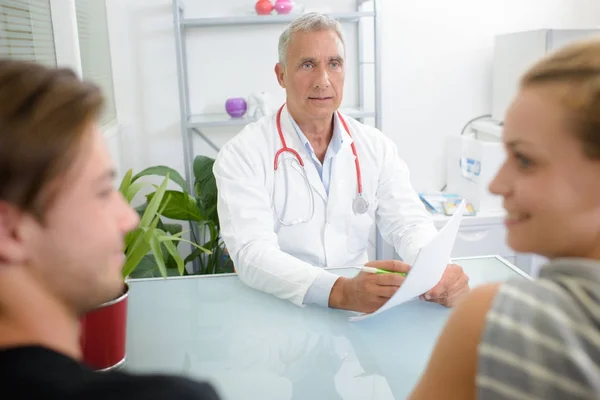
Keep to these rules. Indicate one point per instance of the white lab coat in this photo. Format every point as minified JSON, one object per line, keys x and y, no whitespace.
{"x":285,"y":260}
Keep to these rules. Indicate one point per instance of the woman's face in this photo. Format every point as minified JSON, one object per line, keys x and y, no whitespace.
{"x":551,"y":190}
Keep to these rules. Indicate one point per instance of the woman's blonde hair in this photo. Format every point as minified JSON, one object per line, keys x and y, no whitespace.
{"x":575,"y":70}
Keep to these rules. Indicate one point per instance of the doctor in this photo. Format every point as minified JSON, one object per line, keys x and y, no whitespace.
{"x":301,"y":189}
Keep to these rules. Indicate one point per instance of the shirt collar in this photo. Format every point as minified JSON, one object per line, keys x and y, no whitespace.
{"x":337,"y":139}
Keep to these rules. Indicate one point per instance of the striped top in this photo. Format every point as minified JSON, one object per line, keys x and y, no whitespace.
{"x":542,"y":339}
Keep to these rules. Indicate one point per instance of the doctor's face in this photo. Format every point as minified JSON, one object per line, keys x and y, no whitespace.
{"x":550,"y":187}
{"x":314,"y":75}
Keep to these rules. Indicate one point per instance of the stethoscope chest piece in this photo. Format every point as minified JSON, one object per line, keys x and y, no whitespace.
{"x":360,"y":205}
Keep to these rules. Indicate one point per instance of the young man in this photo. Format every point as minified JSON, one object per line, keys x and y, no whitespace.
{"x":62,"y":225}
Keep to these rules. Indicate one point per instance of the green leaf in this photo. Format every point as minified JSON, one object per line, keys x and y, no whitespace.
{"x":141,"y":209}
{"x":133,"y":189}
{"x":193,"y":255}
{"x":180,"y":206}
{"x":146,"y":268}
{"x":205,"y":183}
{"x":131,"y":237}
{"x":139,"y":248}
{"x":154,"y":204}
{"x":125,"y":183}
{"x":172,"y":251}
{"x":197,"y":246}
{"x":134,"y":255}
{"x":162,"y":170}
{"x":158,"y":256}
{"x":173,"y":229}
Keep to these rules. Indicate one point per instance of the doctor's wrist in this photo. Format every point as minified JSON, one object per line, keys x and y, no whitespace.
{"x":338,"y":297}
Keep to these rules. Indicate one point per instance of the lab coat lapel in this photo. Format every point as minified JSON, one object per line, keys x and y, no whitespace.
{"x":294,"y":142}
{"x":343,"y":175}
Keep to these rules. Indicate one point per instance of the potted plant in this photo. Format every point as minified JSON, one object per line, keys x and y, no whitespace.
{"x":200,"y":210}
{"x":150,"y":245}
{"x":205,"y":188}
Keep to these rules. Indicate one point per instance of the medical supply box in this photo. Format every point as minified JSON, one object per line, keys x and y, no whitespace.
{"x":472,"y":161}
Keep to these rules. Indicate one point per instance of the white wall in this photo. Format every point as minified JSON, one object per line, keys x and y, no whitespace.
{"x":222,"y":63}
{"x":145,"y":84}
{"x":436,"y":70}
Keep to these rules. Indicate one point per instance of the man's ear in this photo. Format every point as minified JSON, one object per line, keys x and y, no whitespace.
{"x":12,"y":248}
{"x":280,"y":72}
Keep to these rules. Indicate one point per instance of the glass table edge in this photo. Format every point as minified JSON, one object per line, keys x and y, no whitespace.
{"x":209,"y":276}
{"x":503,"y":260}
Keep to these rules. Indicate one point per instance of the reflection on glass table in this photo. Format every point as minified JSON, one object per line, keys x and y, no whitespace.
{"x":253,"y":346}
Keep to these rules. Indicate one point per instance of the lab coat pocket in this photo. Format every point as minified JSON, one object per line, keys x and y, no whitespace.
{"x":358,"y":230}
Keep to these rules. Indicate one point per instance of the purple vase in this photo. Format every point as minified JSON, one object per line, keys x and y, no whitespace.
{"x":283,"y":6}
{"x":236,"y":106}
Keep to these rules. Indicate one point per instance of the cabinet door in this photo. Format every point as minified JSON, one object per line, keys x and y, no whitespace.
{"x":482,"y":240}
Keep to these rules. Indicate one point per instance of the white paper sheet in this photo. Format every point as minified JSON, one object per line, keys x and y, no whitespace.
{"x":428,"y":268}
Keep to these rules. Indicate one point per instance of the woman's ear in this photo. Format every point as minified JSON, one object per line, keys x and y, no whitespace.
{"x":12,"y":248}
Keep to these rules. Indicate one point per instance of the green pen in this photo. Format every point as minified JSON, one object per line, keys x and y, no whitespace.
{"x":379,"y":271}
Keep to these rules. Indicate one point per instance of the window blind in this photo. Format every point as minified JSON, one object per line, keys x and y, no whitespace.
{"x":94,"y":48}
{"x":26,"y":31}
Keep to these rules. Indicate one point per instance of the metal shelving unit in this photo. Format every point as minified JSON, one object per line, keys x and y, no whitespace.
{"x":267,"y":19}
{"x":222,"y":119}
{"x":193,"y":124}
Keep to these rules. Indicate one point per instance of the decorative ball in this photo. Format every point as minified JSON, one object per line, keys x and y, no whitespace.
{"x":236,"y":107}
{"x":283,"y":6}
{"x":263,"y":7}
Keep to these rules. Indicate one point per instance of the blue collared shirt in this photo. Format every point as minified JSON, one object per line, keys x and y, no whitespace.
{"x":334,"y":147}
{"x":319,"y":291}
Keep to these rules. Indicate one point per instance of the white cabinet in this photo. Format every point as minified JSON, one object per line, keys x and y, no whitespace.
{"x":479,"y":236}
{"x":515,"y":52}
{"x":484,"y":235}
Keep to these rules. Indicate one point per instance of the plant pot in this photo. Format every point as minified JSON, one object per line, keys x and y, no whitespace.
{"x":103,"y":334}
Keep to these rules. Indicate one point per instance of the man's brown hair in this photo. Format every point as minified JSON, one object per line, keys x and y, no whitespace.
{"x":43,"y":115}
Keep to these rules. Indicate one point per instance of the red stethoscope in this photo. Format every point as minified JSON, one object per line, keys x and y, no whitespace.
{"x":360,"y":205}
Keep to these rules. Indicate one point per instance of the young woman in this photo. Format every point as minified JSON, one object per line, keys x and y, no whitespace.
{"x":540,"y":339}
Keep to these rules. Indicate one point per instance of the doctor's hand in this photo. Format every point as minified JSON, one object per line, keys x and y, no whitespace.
{"x":450,"y":289}
{"x":367,"y":292}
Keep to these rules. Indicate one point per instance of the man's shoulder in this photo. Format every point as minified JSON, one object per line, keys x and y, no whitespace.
{"x":36,"y":372}
{"x":371,"y":142}
{"x":368,"y":132}
{"x":116,"y":386}
{"x":253,"y":133}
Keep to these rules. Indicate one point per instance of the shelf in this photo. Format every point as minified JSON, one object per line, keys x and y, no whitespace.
{"x":266,"y":19}
{"x":485,"y":217}
{"x":222,"y":119}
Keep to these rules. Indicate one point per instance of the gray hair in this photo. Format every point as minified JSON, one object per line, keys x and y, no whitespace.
{"x":309,"y":22}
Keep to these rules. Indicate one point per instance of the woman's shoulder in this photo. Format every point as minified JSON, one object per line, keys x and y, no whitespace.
{"x":542,"y":336}
{"x":566,"y":289}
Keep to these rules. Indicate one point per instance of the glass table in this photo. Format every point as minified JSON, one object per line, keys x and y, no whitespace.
{"x":254,"y":346}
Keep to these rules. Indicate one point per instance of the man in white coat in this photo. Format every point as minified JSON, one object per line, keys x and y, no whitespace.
{"x":286,"y":214}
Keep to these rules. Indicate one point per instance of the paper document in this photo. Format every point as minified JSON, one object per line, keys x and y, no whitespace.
{"x":428,"y":268}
